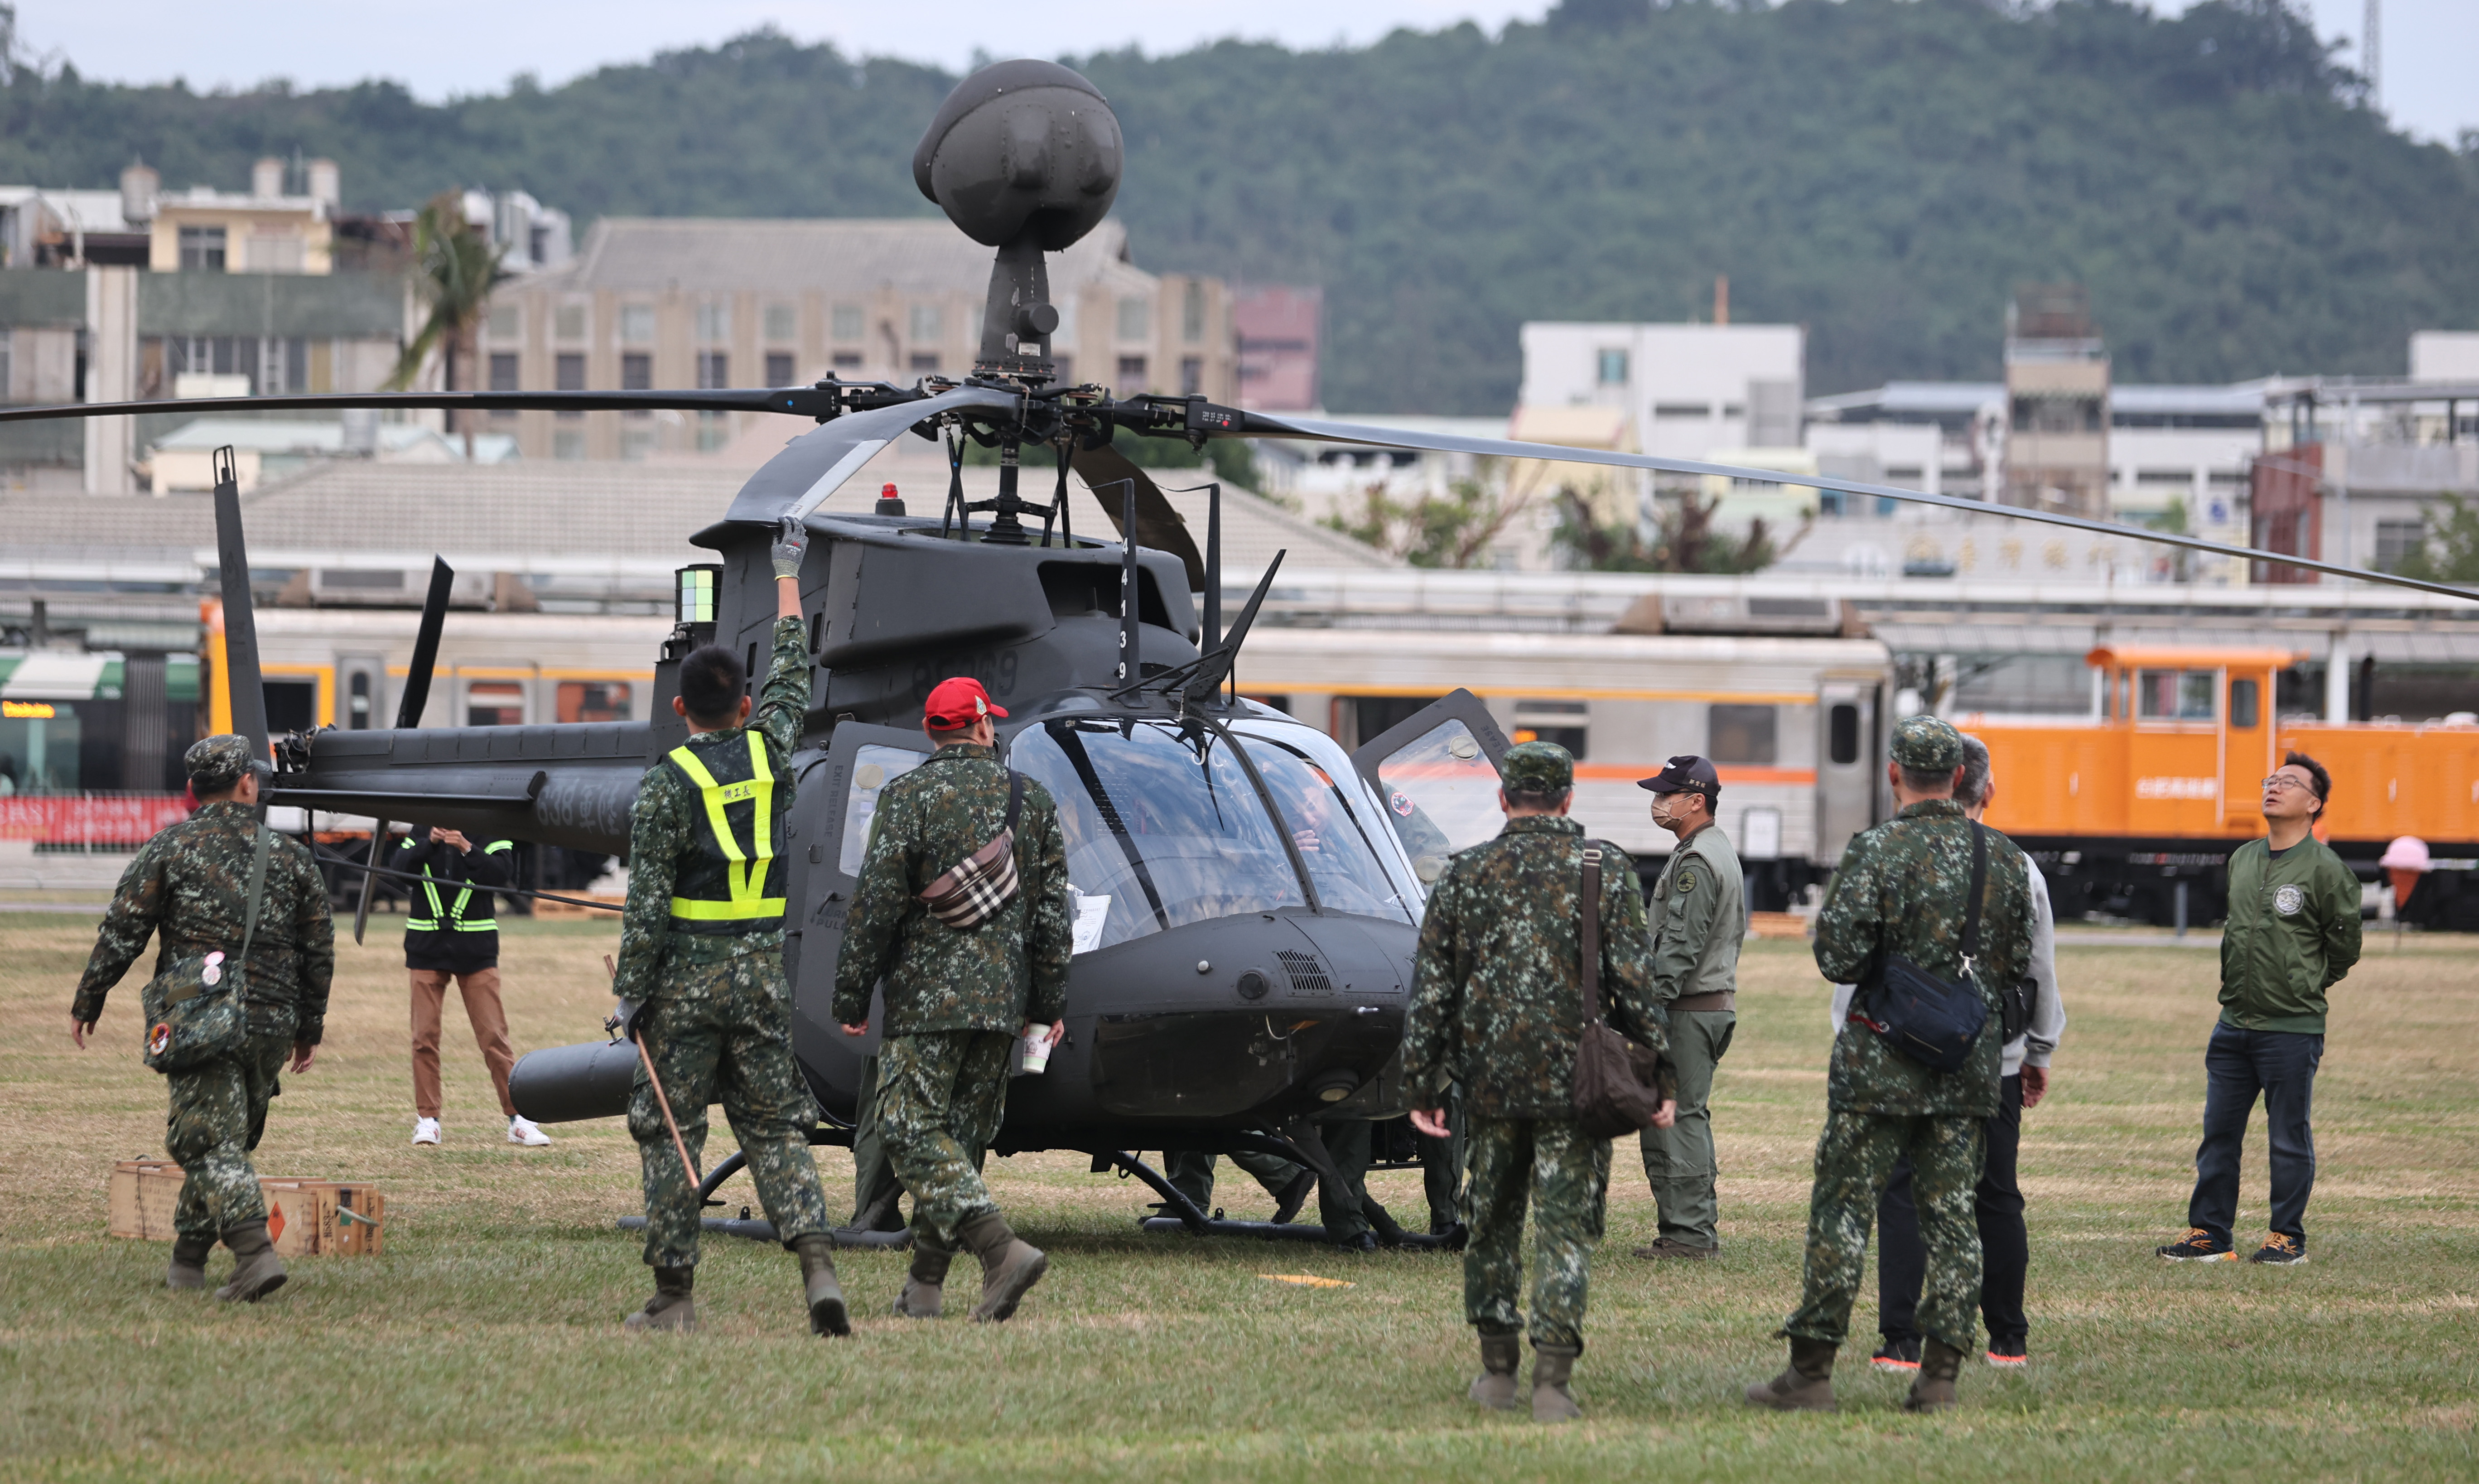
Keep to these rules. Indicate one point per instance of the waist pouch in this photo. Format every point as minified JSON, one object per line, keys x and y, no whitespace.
{"x":194,"y":1006}
{"x":1920,"y":1015}
{"x":973,"y":892}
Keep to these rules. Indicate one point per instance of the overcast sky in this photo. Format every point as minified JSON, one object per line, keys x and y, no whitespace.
{"x":2431,"y":63}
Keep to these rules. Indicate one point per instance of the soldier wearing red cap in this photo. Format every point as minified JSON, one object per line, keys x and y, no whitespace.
{"x":962,"y":908}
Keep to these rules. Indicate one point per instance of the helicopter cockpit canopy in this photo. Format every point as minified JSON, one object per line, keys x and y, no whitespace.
{"x":1165,"y":826}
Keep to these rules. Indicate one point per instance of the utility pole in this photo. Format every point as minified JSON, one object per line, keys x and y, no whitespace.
{"x":2371,"y":52}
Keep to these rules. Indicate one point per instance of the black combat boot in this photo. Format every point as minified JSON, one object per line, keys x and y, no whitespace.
{"x":923,"y":1295}
{"x":1010,"y":1265}
{"x":257,"y":1271}
{"x":1494,"y":1386}
{"x":188,"y":1269}
{"x":825,"y":1297}
{"x":1553,"y":1366}
{"x":1805,"y":1385}
{"x":672,"y":1307}
{"x":1933,"y":1388}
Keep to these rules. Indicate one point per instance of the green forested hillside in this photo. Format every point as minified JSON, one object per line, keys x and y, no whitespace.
{"x":1881,"y":170}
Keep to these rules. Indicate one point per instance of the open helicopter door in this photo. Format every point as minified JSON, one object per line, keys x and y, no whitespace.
{"x":1437,"y":772}
{"x":837,"y":804}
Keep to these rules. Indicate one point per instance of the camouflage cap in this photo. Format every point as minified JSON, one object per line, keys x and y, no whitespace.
{"x":217,"y":763}
{"x":1538,"y":768}
{"x":1925,"y":743}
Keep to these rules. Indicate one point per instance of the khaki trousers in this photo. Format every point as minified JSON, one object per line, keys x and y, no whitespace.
{"x":481,"y":990}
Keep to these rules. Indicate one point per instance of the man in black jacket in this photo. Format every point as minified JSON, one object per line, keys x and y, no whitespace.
{"x":452,"y":934}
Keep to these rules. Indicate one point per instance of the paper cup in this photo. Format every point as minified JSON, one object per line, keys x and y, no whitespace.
{"x":1036,"y":1052}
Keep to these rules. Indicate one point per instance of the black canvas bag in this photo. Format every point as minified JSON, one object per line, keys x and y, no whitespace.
{"x":193,"y":1008}
{"x":1617,"y":1088}
{"x":1919,"y":1017}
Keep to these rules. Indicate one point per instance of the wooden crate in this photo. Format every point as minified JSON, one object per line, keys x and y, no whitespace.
{"x":304,"y":1217}
{"x":1776,"y":925}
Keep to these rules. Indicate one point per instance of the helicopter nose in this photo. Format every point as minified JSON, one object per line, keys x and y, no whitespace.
{"x":1261,"y":1015}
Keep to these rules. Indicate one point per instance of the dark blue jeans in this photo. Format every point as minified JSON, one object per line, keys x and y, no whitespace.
{"x":2237,"y":1065}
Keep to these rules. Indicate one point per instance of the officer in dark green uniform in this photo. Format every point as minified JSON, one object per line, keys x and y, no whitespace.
{"x":1699,"y":916}
{"x":1903,"y":889}
{"x":701,"y":958}
{"x":1498,"y":1006}
{"x":191,"y":885}
{"x":962,"y":986}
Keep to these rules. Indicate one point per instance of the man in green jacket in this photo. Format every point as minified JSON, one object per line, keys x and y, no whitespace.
{"x":2292,"y":932}
{"x":1699,"y":915}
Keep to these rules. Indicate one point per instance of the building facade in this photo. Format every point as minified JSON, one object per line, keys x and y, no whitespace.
{"x":719,"y":303}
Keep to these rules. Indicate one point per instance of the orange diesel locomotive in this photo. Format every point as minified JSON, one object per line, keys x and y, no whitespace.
{"x":2137,"y":808}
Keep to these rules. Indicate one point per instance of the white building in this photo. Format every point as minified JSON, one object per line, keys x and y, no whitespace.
{"x":1685,"y":390}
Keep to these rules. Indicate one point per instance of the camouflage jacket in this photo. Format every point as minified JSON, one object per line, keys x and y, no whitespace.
{"x":668,"y":821}
{"x":1901,"y":889}
{"x":1498,"y":991}
{"x":191,"y":885}
{"x":993,"y":976}
{"x":1699,"y":917}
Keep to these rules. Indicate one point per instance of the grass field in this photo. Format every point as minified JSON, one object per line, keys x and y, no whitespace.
{"x":486,"y":1342}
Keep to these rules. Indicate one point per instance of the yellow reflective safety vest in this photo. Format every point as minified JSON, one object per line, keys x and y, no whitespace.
{"x":732,"y":882}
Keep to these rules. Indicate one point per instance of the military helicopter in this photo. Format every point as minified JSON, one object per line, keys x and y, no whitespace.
{"x":1246,"y":896}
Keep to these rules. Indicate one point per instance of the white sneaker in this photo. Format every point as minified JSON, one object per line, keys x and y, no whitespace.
{"x":425,"y":1131}
{"x":522,"y":1131}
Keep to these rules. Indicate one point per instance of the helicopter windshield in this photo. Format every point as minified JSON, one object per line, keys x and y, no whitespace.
{"x":1164,"y":827}
{"x":1352,"y":860}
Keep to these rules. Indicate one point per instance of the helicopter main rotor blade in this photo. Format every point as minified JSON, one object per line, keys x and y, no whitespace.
{"x":792,"y":401}
{"x":1158,"y":524}
{"x":1257,"y":424}
{"x":240,"y":677}
{"x":408,"y":708}
{"x":814,"y":466}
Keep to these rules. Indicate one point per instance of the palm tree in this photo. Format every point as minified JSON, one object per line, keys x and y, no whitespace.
{"x":455,"y":270}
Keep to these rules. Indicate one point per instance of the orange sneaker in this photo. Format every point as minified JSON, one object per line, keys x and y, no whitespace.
{"x":2199,"y":1245}
{"x":2285,"y":1251}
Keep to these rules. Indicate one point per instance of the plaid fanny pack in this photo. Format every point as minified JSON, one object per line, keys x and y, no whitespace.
{"x":973,"y":892}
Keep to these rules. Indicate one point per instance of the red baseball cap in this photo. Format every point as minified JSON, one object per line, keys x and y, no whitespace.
{"x":959,"y":701}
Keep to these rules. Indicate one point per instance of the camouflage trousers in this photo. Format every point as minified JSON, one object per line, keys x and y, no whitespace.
{"x":720,"y":1032}
{"x":1565,"y":1176}
{"x":1854,"y":1157}
{"x":940,"y":1096}
{"x":218,"y":1114}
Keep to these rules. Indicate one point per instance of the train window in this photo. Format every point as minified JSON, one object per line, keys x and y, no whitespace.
{"x":1842,"y":739}
{"x":2174,"y":695}
{"x":2243,"y":704}
{"x":359,"y":707}
{"x":291,"y":706}
{"x":595,"y":701}
{"x":1740,"y":733}
{"x":1562,"y":722}
{"x":495,"y":704}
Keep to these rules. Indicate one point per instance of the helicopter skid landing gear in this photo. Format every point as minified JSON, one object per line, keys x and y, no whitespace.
{"x":1185,"y":1216}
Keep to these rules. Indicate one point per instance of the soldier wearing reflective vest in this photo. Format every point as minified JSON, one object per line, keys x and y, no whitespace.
{"x":702,"y":962}
{"x":451,"y":933}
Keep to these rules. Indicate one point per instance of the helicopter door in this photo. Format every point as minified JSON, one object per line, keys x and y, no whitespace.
{"x":839,"y":799}
{"x":1436,"y":773}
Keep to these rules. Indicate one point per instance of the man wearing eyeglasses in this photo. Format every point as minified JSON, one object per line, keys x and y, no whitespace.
{"x":2292,"y":932}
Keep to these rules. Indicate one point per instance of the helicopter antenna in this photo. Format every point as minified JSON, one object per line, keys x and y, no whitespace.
{"x":1130,"y":669}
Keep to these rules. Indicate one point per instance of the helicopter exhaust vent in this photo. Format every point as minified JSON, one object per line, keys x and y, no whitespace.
{"x":1308,"y":976}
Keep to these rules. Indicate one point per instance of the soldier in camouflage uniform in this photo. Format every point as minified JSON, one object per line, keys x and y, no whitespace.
{"x":191,"y":885}
{"x":701,"y":958}
{"x":956,"y":997}
{"x":1497,"y":1006}
{"x":1903,"y":889}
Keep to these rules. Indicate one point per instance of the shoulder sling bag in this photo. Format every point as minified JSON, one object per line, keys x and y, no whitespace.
{"x":1617,"y":1082}
{"x":1928,"y":1019}
{"x":973,"y":892}
{"x":193,"y":1008}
